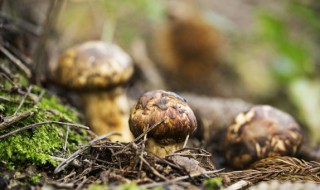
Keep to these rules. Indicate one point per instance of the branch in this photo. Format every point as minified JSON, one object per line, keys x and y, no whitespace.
{"x":15,"y":118}
{"x":16,"y":61}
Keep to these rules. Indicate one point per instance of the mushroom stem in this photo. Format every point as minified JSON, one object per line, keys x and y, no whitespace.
{"x":161,"y":150}
{"x":108,"y":111}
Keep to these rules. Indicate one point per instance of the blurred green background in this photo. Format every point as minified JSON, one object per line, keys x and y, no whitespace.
{"x":271,"y":46}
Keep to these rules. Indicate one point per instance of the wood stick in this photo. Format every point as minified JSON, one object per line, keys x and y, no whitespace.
{"x":2,"y":98}
{"x":8,"y":121}
{"x":23,"y":100}
{"x":238,"y":185}
{"x":154,"y":171}
{"x":16,"y":61}
{"x":179,"y":179}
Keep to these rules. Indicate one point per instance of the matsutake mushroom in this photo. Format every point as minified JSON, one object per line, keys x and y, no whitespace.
{"x":263,"y":131}
{"x":174,"y":119}
{"x":98,"y":70}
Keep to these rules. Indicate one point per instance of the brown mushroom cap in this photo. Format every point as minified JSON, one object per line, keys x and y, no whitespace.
{"x":94,"y":65}
{"x":156,"y":106}
{"x":261,"y":132}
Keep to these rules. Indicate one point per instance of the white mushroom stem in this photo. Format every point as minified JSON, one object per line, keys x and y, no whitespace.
{"x":161,"y":150}
{"x":108,"y":111}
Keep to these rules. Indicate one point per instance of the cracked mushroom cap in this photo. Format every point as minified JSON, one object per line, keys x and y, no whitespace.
{"x":94,"y":65}
{"x":156,"y":106}
{"x":261,"y":132}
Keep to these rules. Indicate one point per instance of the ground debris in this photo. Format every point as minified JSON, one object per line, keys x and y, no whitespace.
{"x":276,"y":168}
{"x":115,"y":163}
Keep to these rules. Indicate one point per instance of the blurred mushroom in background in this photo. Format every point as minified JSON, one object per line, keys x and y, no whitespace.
{"x":263,"y":131}
{"x":98,"y":72}
{"x":189,"y":51}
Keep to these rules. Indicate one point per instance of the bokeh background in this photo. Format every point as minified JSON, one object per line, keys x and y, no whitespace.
{"x":265,"y":52}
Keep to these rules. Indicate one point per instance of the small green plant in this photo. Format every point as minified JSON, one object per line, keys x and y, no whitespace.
{"x":213,"y":183}
{"x":36,"y":178}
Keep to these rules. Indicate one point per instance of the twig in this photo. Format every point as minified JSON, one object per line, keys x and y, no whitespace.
{"x":164,"y":161}
{"x":195,"y":175}
{"x":204,"y":152}
{"x":66,"y":140}
{"x":179,"y":179}
{"x":2,"y":98}
{"x":141,"y":154}
{"x":16,"y":61}
{"x":67,"y":176}
{"x":65,"y":163}
{"x":238,"y":185}
{"x":15,"y":51}
{"x":8,"y":121}
{"x":185,"y":154}
{"x":40,"y":96}
{"x":185,"y":141}
{"x":155,"y":172}
{"x":61,"y":185}
{"x":26,"y":26}
{"x":8,"y":79}
{"x":82,"y":183}
{"x":6,"y":71}
{"x":43,"y":123}
{"x":138,"y":138}
{"x":23,"y":100}
{"x":74,"y":163}
{"x":103,"y":137}
{"x":58,"y":159}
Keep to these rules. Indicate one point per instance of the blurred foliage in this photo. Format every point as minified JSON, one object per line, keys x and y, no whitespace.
{"x":108,"y":20}
{"x":295,"y":63}
{"x":309,"y":14}
{"x":306,"y":96}
{"x":292,"y":59}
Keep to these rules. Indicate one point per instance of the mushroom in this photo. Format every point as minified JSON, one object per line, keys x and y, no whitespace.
{"x":98,"y":70}
{"x":174,"y":117}
{"x":263,"y":131}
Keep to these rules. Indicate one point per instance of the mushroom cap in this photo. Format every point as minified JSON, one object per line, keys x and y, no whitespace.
{"x":261,"y":132}
{"x":94,"y":65}
{"x":156,"y":106}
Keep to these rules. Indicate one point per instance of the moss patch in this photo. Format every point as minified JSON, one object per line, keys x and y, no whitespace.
{"x":38,"y":144}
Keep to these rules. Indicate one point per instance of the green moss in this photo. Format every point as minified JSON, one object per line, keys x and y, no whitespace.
{"x":213,"y":183}
{"x":36,"y":178}
{"x":37,"y":145}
